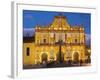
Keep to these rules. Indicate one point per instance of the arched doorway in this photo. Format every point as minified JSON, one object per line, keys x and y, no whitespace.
{"x":44,"y":57}
{"x":76,"y":57}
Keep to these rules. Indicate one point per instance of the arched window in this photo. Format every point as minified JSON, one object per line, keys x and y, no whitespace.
{"x":44,"y":40}
{"x":37,"y":41}
{"x":75,"y":40}
{"x":28,"y":51}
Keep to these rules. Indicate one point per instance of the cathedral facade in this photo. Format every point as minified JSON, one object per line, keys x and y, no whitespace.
{"x":59,"y":42}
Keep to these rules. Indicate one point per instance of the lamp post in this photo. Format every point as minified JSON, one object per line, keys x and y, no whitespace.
{"x":59,"y":54}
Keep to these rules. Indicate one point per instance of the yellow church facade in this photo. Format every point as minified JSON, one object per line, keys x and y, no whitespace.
{"x":58,"y":42}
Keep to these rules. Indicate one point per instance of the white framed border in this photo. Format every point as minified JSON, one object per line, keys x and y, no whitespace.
{"x":17,"y":42}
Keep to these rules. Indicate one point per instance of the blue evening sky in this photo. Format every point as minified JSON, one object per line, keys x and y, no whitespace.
{"x":32,"y":18}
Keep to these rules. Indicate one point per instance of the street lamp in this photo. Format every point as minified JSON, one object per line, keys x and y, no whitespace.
{"x":60,"y":59}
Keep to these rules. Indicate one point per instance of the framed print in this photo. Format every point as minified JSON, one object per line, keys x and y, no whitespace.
{"x":52,"y":38}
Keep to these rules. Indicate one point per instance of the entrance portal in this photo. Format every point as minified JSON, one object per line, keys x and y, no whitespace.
{"x":76,"y":57}
{"x":44,"y":57}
